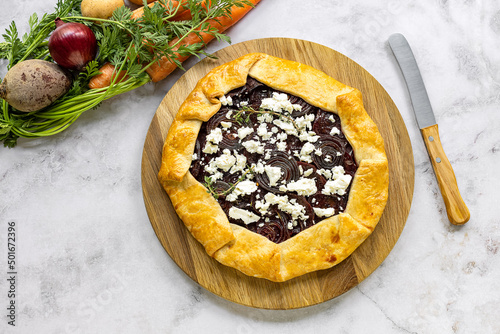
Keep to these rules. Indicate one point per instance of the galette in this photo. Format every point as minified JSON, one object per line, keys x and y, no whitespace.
{"x":275,"y":167}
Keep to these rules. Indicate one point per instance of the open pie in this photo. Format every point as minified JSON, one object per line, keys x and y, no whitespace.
{"x":275,"y":167}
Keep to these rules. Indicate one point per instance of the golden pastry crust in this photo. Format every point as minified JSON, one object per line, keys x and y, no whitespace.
{"x":318,"y":247}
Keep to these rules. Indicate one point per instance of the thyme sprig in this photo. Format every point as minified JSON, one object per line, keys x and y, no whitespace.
{"x":209,"y":184}
{"x":244,"y":113}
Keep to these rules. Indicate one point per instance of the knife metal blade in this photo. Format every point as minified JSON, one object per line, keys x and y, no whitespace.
{"x":413,"y":79}
{"x":457,"y":211}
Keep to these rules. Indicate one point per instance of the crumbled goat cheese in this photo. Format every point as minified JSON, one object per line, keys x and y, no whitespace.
{"x":339,"y":182}
{"x":242,"y":188}
{"x":303,"y":187}
{"x":254,"y":146}
{"x":324,"y":212}
{"x":215,"y":136}
{"x":210,"y":148}
{"x":216,"y":176}
{"x":258,"y":168}
{"x":286,"y":126}
{"x":245,"y":131}
{"x":305,"y":152}
{"x":226,"y":101}
{"x":240,"y":164}
{"x":273,"y":174}
{"x":246,"y":216}
{"x":281,"y":146}
{"x":262,"y":131}
{"x":277,"y":103}
{"x":308,"y":172}
{"x":226,"y":125}
{"x":265,"y":118}
{"x":225,"y":161}
{"x":335,"y":131}
{"x":291,"y":207}
{"x":282,"y":136}
{"x":194,"y":157}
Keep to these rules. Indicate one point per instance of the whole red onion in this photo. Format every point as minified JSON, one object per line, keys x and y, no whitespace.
{"x":72,"y":45}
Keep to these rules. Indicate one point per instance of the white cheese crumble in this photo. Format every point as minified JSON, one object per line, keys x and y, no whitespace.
{"x":324,"y":212}
{"x":246,"y":216}
{"x":245,"y":131}
{"x":216,"y":176}
{"x":242,"y":188}
{"x":210,"y":148}
{"x":277,"y":103}
{"x":265,"y":118}
{"x":308,"y":172}
{"x":225,"y":161}
{"x":291,"y":207}
{"x":240,"y":164}
{"x":305,"y":122}
{"x":254,"y":146}
{"x":273,"y":174}
{"x":305,"y":152}
{"x":258,"y":168}
{"x":215,"y":136}
{"x":281,"y":146}
{"x":286,"y":126}
{"x":339,"y":183}
{"x":195,"y":156}
{"x":226,"y":101}
{"x":303,"y":187}
{"x":262,"y":131}
{"x":226,"y":125}
{"x":334,"y":131}
{"x":243,"y":103}
{"x":282,"y":136}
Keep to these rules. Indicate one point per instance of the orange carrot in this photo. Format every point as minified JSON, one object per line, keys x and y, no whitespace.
{"x":140,"y":11}
{"x":160,"y":70}
{"x":139,"y":2}
{"x":164,"y":67}
{"x":104,"y":79}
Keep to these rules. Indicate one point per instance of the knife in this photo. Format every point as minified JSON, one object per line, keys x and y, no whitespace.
{"x":458,"y":213}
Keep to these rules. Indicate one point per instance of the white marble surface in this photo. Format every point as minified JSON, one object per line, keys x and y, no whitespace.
{"x":89,"y":261}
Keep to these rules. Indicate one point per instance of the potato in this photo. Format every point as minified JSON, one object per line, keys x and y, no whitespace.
{"x":34,"y":84}
{"x":101,"y":9}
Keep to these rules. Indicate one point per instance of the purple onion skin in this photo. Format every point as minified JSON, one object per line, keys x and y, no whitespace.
{"x":72,"y":45}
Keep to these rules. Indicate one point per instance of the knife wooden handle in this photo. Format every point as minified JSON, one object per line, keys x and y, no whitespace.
{"x":458,"y":213}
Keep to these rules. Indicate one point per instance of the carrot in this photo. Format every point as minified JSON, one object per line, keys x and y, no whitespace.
{"x":164,"y":67}
{"x":140,"y":11}
{"x":161,"y":69}
{"x":104,"y":79}
{"x":139,"y":2}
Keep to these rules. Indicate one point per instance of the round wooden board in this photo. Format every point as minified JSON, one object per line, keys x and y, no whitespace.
{"x":315,"y":287}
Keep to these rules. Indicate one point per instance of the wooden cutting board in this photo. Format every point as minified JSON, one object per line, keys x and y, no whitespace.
{"x":312,"y":288}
